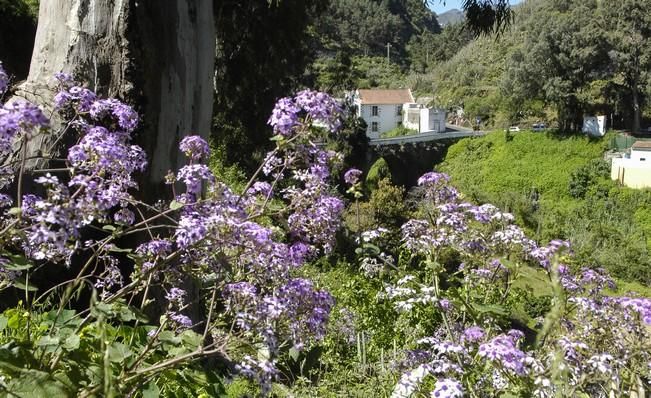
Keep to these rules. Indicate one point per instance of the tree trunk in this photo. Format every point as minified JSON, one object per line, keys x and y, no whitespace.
{"x":156,"y":55}
{"x":636,"y":109}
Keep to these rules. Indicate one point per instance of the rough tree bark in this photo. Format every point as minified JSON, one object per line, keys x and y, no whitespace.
{"x":158,"y":56}
{"x":155,"y":55}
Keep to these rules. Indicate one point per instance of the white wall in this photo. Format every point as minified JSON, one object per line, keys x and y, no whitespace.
{"x":387,"y":118}
{"x":639,"y":155}
{"x":631,"y":173}
{"x":432,"y":119}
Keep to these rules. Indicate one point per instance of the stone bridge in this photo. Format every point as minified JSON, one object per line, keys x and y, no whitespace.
{"x":452,"y":132}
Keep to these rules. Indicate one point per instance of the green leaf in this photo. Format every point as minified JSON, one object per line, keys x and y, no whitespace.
{"x":65,"y":318}
{"x":3,"y":322}
{"x":18,"y":262}
{"x":191,"y":339}
{"x":48,"y":341}
{"x":167,"y":336}
{"x":118,"y":352}
{"x":14,"y":211}
{"x":151,"y":391}
{"x":175,"y":205}
{"x":294,"y":353}
{"x":36,"y":384}
{"x":101,"y":308}
{"x":109,"y":228}
{"x":72,"y":342}
{"x":22,"y":286}
{"x":127,"y":313}
{"x":492,"y":309}
{"x":116,"y":249}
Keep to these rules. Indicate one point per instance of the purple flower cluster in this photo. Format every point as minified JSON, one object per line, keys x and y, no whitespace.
{"x":447,"y":388}
{"x":195,"y":147}
{"x":303,"y":310}
{"x":16,"y":117}
{"x":263,"y":372}
{"x":318,"y":107}
{"x":193,"y":176}
{"x":52,"y":223}
{"x":503,"y":350}
{"x":351,"y":177}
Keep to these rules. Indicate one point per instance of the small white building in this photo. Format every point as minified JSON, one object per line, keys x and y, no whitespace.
{"x":634,"y":170}
{"x":594,"y":125}
{"x":422,"y":119}
{"x":384,"y":110}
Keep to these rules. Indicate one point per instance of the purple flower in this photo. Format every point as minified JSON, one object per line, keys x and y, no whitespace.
{"x":447,"y":388}
{"x":194,"y":147}
{"x":503,"y":350}
{"x":193,"y":175}
{"x":156,"y":247}
{"x":181,"y":320}
{"x":19,"y":116}
{"x":473,"y":334}
{"x":192,"y":228}
{"x":64,"y":79}
{"x":351,"y":177}
{"x":175,"y":295}
{"x":284,"y":116}
{"x":321,"y":108}
{"x":433,"y":178}
{"x":124,"y":216}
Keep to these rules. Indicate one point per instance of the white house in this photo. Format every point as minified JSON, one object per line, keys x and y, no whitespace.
{"x":634,"y":170}
{"x":381,"y":109}
{"x":384,"y":110}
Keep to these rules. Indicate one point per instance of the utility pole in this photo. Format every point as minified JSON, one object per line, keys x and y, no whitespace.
{"x":388,"y":53}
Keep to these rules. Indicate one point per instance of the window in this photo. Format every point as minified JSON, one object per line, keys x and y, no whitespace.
{"x":374,"y":127}
{"x":642,"y":159}
{"x":374,"y":110}
{"x":398,"y":110}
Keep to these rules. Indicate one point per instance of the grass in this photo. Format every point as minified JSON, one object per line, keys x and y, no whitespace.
{"x":398,"y":132}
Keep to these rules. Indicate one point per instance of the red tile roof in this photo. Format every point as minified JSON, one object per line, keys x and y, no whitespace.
{"x":385,"y":97}
{"x":643,"y":145}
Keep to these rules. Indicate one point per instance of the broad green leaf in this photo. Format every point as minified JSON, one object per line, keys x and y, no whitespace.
{"x":36,"y":384}
{"x":175,"y":205}
{"x":191,"y":339}
{"x":22,"y":286}
{"x":151,"y":391}
{"x":294,"y":353}
{"x":47,"y":341}
{"x":118,"y":352}
{"x":72,"y":342}
{"x":3,"y":322}
{"x":167,"y":336}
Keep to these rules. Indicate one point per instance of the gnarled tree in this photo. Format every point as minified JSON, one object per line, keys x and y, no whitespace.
{"x":156,"y":55}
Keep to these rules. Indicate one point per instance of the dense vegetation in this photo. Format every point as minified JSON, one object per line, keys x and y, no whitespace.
{"x":274,"y":268}
{"x":558,"y":60}
{"x":559,"y":186}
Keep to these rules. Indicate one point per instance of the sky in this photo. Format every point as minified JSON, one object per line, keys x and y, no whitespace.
{"x":438,"y":7}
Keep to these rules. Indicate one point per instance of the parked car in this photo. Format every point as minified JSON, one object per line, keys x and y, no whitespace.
{"x":538,"y":127}
{"x":514,"y":129}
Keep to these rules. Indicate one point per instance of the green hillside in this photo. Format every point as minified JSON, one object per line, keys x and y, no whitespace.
{"x":559,"y":187}
{"x":558,"y":61}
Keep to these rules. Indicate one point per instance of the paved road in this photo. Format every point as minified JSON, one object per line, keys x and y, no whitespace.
{"x":451,"y":132}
